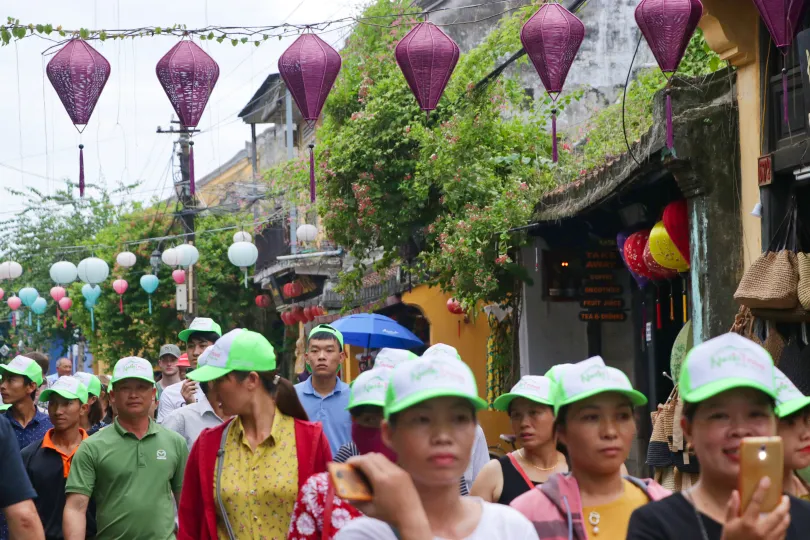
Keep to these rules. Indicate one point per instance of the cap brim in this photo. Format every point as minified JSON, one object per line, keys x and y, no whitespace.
{"x":502,"y":403}
{"x":792,"y":406}
{"x":113,"y":381}
{"x":4,"y":367}
{"x":208,"y":373}
{"x":184,"y":334}
{"x":46,"y":395}
{"x":366,"y":403}
{"x":718,"y":387}
{"x":636,"y":397}
{"x":425,"y":395}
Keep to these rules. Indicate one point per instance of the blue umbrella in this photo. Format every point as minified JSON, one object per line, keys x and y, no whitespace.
{"x":374,"y":331}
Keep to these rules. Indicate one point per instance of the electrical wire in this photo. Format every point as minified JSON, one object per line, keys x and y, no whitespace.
{"x":624,"y":100}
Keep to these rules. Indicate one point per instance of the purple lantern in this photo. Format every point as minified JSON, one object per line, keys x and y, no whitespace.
{"x":552,"y":37}
{"x":427,"y":57}
{"x":782,"y":18}
{"x":78,"y":73}
{"x":188,"y":75}
{"x":668,"y":26}
{"x":309,"y":68}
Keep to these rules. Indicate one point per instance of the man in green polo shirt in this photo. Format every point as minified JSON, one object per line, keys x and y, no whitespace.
{"x":131,"y":468}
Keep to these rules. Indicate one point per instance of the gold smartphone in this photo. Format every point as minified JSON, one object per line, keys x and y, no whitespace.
{"x":349,"y":482}
{"x":760,"y":457}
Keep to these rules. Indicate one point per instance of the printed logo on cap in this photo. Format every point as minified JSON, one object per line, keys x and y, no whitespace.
{"x":20,"y":363}
{"x":370,"y":386}
{"x":533,"y":385}
{"x":201,"y":323}
{"x":582,"y":378}
{"x":438,"y":373}
{"x":203,"y":359}
{"x":218,"y":357}
{"x":730,"y":361}
{"x":67,"y":383}
{"x":786,"y":391}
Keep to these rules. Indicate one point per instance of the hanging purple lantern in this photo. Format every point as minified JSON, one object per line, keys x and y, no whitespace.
{"x":188,"y":75}
{"x":552,"y":37}
{"x":427,"y":57}
{"x":309,"y":68}
{"x":668,"y":26}
{"x":782,"y":17}
{"x":78,"y":73}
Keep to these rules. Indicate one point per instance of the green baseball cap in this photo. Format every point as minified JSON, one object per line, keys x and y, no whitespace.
{"x":587,"y":379}
{"x":789,"y":399}
{"x":132,"y":367}
{"x":5,"y":406}
{"x":391,"y":358}
{"x":556,"y":370}
{"x":22,"y":365}
{"x":440,"y":375}
{"x":68,"y":387}
{"x":200,"y":324}
{"x":369,"y":388}
{"x":724,"y":363}
{"x":238,"y":350}
{"x":90,"y":381}
{"x":532,"y":387}
{"x":328,"y":329}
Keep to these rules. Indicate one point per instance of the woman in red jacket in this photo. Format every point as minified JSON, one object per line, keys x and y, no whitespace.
{"x":242,"y":477}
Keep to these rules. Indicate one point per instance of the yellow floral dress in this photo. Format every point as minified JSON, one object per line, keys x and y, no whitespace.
{"x":259,"y":488}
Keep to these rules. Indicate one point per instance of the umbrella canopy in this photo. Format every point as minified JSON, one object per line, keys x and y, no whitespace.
{"x":374,"y":331}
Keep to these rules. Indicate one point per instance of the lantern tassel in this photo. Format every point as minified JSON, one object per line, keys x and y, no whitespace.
{"x":29,"y":318}
{"x":121,"y":304}
{"x":246,"y":278}
{"x":81,"y":170}
{"x":785,"y":97}
{"x":191,"y":187}
{"x":13,"y":320}
{"x":150,"y":305}
{"x":64,"y":321}
{"x":58,"y":316}
{"x":39,"y":326}
{"x":670,"y":133}
{"x":658,"y":314}
{"x":554,"y":154}
{"x":311,"y":173}
{"x":92,"y":320}
{"x":671,"y":305}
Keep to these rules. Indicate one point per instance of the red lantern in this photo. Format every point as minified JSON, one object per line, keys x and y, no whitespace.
{"x":285,"y":318}
{"x":263,"y":301}
{"x":297,"y":314}
{"x":657,"y":271}
{"x":296,"y":289}
{"x":676,"y":222}
{"x":309,"y":68}
{"x":552,"y":37}
{"x":309,"y":316}
{"x":634,"y":253}
{"x":454,"y":307}
{"x":285,"y":290}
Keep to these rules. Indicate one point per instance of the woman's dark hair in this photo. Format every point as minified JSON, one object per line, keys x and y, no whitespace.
{"x":394,"y":418}
{"x":95,"y":413}
{"x":283,"y":393}
{"x":690,"y":409}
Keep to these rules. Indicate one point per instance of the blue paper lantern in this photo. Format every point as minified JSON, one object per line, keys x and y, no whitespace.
{"x":39,"y":306}
{"x":91,"y":293}
{"x":28,"y":295}
{"x":149,"y":283}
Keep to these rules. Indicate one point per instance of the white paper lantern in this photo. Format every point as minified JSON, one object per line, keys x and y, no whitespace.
{"x":187,"y":255}
{"x":242,"y":236}
{"x":306,"y":233}
{"x":93,"y":270}
{"x":170,"y":257}
{"x":10,"y":270}
{"x":63,"y":272}
{"x":126,"y":259}
{"x":243,"y":254}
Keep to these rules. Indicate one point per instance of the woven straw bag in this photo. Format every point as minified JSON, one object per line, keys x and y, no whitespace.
{"x":771,"y":282}
{"x":803,"y":264}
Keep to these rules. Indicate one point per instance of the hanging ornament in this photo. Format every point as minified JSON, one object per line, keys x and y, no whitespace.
{"x":306,"y":233}
{"x":676,"y":222}
{"x":188,"y":75}
{"x":126,"y":259}
{"x":634,"y":254}
{"x":14,"y":303}
{"x":64,"y":305}
{"x":28,"y":295}
{"x":120,"y":286}
{"x":263,"y":301}
{"x":187,"y":255}
{"x":242,"y":236}
{"x":621,"y":240}
{"x":657,"y":272}
{"x":309,"y":68}
{"x":91,"y":294}
{"x":179,"y":276}
{"x":663,"y":249}
{"x":149,"y":283}
{"x":552,"y":37}
{"x":63,"y":272}
{"x":243,"y":254}
{"x":170,"y":257}
{"x":57,"y":293}
{"x":78,"y":73}
{"x":454,"y":307}
{"x":308,"y":315}
{"x":93,"y":270}
{"x":38,"y":307}
{"x":10,"y":270}
{"x":2,"y":294}
{"x":668,"y":26}
{"x":297,"y":314}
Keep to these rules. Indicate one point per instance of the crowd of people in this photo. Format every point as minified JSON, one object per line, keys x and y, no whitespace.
{"x":222,"y":446}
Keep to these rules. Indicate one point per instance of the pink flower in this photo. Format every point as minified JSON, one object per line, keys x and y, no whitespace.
{"x":407,"y":129}
{"x":433,"y":157}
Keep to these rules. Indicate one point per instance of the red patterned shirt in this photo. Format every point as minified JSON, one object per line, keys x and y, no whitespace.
{"x":307,"y":521}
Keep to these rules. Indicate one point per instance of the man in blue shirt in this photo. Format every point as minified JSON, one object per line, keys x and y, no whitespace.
{"x":323,"y":395}
{"x":20,"y":380}
{"x":15,"y":490}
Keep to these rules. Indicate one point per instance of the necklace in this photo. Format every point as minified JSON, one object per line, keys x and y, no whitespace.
{"x":593,"y":519}
{"x":690,"y":498}
{"x":527,"y":460}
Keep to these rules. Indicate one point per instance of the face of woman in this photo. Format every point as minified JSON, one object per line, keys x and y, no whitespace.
{"x":433,"y":440}
{"x":532,"y":423}
{"x":599,"y":432}
{"x":235,"y":395}
{"x":719,"y":425}
{"x":795,"y":433}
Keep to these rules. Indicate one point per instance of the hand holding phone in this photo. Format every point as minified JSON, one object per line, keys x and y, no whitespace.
{"x":761,"y":457}
{"x":349,"y":482}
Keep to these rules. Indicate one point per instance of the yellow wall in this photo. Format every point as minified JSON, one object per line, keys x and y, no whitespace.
{"x":471,"y":345}
{"x":211,"y":192}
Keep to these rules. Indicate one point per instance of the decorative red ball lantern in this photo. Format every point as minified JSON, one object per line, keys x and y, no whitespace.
{"x":657,"y":271}
{"x":454,"y":307}
{"x":78,"y":73}
{"x":676,"y":223}
{"x":297,"y":314}
{"x":552,"y":37}
{"x":263,"y":301}
{"x":296,"y":289}
{"x":309,"y":314}
{"x":634,"y":253}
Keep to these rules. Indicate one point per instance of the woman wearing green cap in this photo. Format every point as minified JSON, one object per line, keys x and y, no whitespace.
{"x":594,"y":405}
{"x":92,"y":421}
{"x":242,"y":477}
{"x":793,"y":411}
{"x":531,"y":412}
{"x":430,"y":412}
{"x":728,"y":388}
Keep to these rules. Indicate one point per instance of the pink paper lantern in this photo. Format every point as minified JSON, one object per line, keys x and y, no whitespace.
{"x":2,"y":294}
{"x":179,"y":276}
{"x":14,"y":304}
{"x":309,"y":68}
{"x":78,"y":73}
{"x":57,"y":293}
{"x":552,"y":37}
{"x":188,"y":76}
{"x":427,"y":57}
{"x":120,"y":286}
{"x":64,"y":305}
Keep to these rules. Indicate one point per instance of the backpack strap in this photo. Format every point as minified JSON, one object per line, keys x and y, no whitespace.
{"x":520,"y":470}
{"x":220,"y":461}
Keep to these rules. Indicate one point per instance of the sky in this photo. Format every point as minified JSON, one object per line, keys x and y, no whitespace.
{"x":38,"y":142}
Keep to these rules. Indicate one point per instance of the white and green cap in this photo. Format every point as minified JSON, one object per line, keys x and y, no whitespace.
{"x":724,"y":363}
{"x":238,"y":350}
{"x":440,"y":375}
{"x":5,"y":406}
{"x":369,"y":388}
{"x":90,"y":381}
{"x":556,"y":370}
{"x":200,"y":324}
{"x":22,"y":365}
{"x":587,"y":379}
{"x":789,"y":399}
{"x":68,"y":387}
{"x":441,"y":350}
{"x":132,"y":367}
{"x":532,"y":387}
{"x":391,"y":358}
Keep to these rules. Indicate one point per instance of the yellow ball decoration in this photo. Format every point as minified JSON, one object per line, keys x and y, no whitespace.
{"x":664,"y":251}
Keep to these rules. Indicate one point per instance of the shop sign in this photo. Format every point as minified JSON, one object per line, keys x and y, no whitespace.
{"x":603,"y":316}
{"x":602,"y":290}
{"x":596,"y":304}
{"x":765,"y":170}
